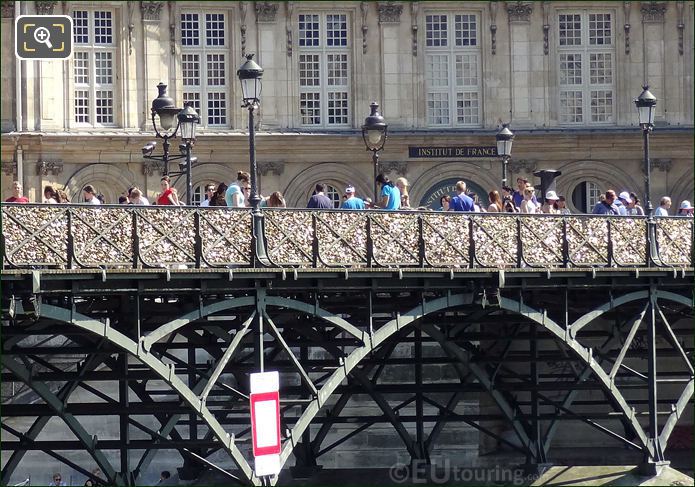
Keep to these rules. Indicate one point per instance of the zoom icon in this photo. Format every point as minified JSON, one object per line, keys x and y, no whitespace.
{"x":43,"y":36}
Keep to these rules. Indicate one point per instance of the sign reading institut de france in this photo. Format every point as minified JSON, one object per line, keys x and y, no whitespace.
{"x":456,"y":151}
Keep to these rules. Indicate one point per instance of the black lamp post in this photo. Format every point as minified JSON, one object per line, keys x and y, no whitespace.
{"x":504,"y":138}
{"x":646,"y":107}
{"x":171,"y":117}
{"x":250,"y":74}
{"x":374,"y":133}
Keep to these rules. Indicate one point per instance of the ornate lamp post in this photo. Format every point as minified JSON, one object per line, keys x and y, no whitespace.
{"x":646,"y":107}
{"x":504,"y":138}
{"x":166,"y":121}
{"x":374,"y":133}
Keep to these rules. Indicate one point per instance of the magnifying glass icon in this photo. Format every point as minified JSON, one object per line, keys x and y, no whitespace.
{"x":43,"y":36}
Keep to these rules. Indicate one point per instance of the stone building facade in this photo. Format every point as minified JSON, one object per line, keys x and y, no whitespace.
{"x":446,"y":74}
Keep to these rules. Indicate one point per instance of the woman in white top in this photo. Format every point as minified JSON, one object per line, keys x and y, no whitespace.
{"x":50,"y":195}
{"x":496,"y":205}
{"x":527,"y":205}
{"x":664,"y":206}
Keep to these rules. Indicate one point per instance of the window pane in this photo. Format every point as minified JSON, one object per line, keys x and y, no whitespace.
{"x":438,"y":70}
{"x":570,"y":69}
{"x":309,"y":69}
{"x":214,"y":29}
{"x":193,"y":98}
{"x":600,"y":69}
{"x":103,"y":27}
{"x":190,"y":69}
{"x":104,"y":106}
{"x":103,"y":63}
{"x":215,"y":63}
{"x":601,"y":106}
{"x":333,"y":194}
{"x":310,"y":108}
{"x":570,"y":30}
{"x":571,"y":107}
{"x":600,"y":29}
{"x":308,"y":30}
{"x":190,"y":30}
{"x":467,"y":70}
{"x":436,"y":30}
{"x":81,"y":64}
{"x":337,"y":69}
{"x":217,"y":109}
{"x":80,"y":27}
{"x":336,"y":30}
{"x":467,"y":108}
{"x":465,"y":30}
{"x":81,"y":106}
{"x":337,"y":108}
{"x":438,"y":108}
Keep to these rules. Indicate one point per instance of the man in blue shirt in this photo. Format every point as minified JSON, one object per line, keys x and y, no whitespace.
{"x":352,"y":202}
{"x":607,"y":206}
{"x":390,"y":194}
{"x":462,"y":202}
{"x":319,"y":200}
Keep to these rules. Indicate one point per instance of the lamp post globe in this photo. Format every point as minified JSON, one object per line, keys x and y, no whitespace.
{"x":374,"y":133}
{"x":504,"y":138}
{"x":163,"y":107}
{"x":646,"y":108}
{"x":250,"y":75}
{"x":188,"y":119}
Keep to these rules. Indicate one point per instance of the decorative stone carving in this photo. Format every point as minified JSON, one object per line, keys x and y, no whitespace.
{"x":150,"y":166}
{"x":288,"y":26}
{"x":626,"y":27}
{"x":680,"y":5}
{"x":546,"y":26}
{"x":45,"y":8}
{"x":493,"y":26}
{"x":390,"y":13}
{"x":399,"y":167}
{"x":44,"y":168}
{"x":526,"y":165}
{"x":364,"y":7}
{"x":414,"y":7}
{"x":266,"y":11}
{"x":519,"y":11}
{"x":7,"y":9}
{"x":151,"y":10}
{"x":10,"y":169}
{"x":653,"y":11}
{"x":243,"y":9}
{"x":276,"y":167}
{"x":663,"y":165}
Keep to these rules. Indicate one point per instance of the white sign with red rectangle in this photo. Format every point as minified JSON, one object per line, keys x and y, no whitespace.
{"x":265,"y":422}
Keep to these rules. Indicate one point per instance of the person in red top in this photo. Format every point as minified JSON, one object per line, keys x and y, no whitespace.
{"x":168,"y":195}
{"x":17,"y":194}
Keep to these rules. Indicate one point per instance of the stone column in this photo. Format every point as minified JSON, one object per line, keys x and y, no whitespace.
{"x":272,"y":59}
{"x":520,"y":51}
{"x":154,"y":64}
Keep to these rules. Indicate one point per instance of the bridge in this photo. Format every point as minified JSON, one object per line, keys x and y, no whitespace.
{"x":546,"y":322}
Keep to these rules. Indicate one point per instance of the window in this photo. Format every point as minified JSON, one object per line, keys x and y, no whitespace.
{"x":198,"y":194}
{"x":324,"y":70}
{"x":585,"y":196}
{"x":586,"y":59}
{"x":204,"y":66}
{"x":452,"y":70}
{"x":93,"y":63}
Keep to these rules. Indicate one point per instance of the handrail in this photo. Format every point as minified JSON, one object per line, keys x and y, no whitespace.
{"x":118,"y":236}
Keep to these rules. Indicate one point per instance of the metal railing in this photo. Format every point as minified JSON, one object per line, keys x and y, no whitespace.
{"x":79,"y":236}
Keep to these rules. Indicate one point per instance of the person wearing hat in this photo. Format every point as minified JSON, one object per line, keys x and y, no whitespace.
{"x":352,"y":202}
{"x":686,"y":209}
{"x":550,"y":205}
{"x":623,"y":202}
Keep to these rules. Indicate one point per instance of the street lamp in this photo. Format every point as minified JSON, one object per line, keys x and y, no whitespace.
{"x":504,"y":138}
{"x":646,"y":107}
{"x":374,"y":133}
{"x":250,"y":75}
{"x":165,"y":117}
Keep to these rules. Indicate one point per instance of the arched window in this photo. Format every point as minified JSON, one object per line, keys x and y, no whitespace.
{"x":334,"y":195}
{"x":585,"y":196}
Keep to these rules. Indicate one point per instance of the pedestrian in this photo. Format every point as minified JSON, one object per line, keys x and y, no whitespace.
{"x":528,"y":205}
{"x":123,"y":200}
{"x":238,"y":192}
{"x":209,"y":191}
{"x":509,"y":206}
{"x":17,"y":196}
{"x":562,"y":205}
{"x":167,"y":196}
{"x":90,"y":196}
{"x":57,"y":480}
{"x":664,"y":206}
{"x":607,"y":205}
{"x":685,"y":209}
{"x":635,"y":209}
{"x":623,"y":202}
{"x":164,"y":477}
{"x":276,"y":200}
{"x":521,"y":184}
{"x":476,"y":203}
{"x":496,"y":205}
{"x":461,"y":202}
{"x":368,"y":203}
{"x":50,"y":195}
{"x":62,"y":196}
{"x":319,"y":200}
{"x":402,"y":185}
{"x":550,"y":205}
{"x":352,"y":202}
{"x":218,"y":197}
{"x":390,"y":194}
{"x":136,"y":198}
{"x":444,"y":202}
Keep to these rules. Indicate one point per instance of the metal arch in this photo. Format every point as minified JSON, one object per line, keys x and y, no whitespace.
{"x":59,"y":407}
{"x":163,"y":371}
{"x":584,"y":320}
{"x":585,"y":355}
